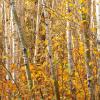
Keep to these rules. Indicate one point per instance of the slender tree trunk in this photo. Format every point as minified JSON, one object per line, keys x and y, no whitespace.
{"x":23,"y":45}
{"x":93,"y":44}
{"x":98,"y":42}
{"x":70,"y":57}
{"x":6,"y":41}
{"x":98,"y":23}
{"x":19,"y":4}
{"x":92,"y":27}
{"x":49,"y":48}
{"x":86,"y":32}
{"x":37,"y":33}
{"x":12,"y":42}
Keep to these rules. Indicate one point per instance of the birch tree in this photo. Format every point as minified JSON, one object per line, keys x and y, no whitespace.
{"x":6,"y":40}
{"x":98,"y":24}
{"x":23,"y":45}
{"x":49,"y":48}
{"x":70,"y":57}
{"x":98,"y":41}
{"x":37,"y":32}
{"x":86,"y":32}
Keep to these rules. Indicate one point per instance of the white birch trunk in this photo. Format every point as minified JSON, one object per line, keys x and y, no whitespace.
{"x":37,"y":32}
{"x":13,"y":43}
{"x":86,"y":32}
{"x":49,"y":48}
{"x":6,"y":40}
{"x":98,"y":23}
{"x":70,"y":57}
{"x":23,"y":46}
{"x":98,"y":42}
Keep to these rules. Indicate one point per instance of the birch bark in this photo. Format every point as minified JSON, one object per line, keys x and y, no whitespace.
{"x":86,"y":32}
{"x":6,"y":40}
{"x":23,"y":45}
{"x":49,"y":48}
{"x":37,"y":32}
{"x":98,"y":42}
{"x":70,"y":56}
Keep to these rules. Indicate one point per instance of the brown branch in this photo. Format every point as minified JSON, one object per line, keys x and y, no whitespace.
{"x":10,"y":75}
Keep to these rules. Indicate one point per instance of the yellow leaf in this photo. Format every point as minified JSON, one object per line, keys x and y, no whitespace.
{"x":90,"y":78}
{"x":46,"y":42}
{"x":90,"y":63}
{"x":84,"y":10}
{"x":93,"y":29}
{"x":5,"y":57}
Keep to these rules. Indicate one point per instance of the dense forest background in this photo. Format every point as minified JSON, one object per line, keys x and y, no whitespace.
{"x":49,"y":49}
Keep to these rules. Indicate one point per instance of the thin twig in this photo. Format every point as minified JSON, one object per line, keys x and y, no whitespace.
{"x":10,"y":75}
